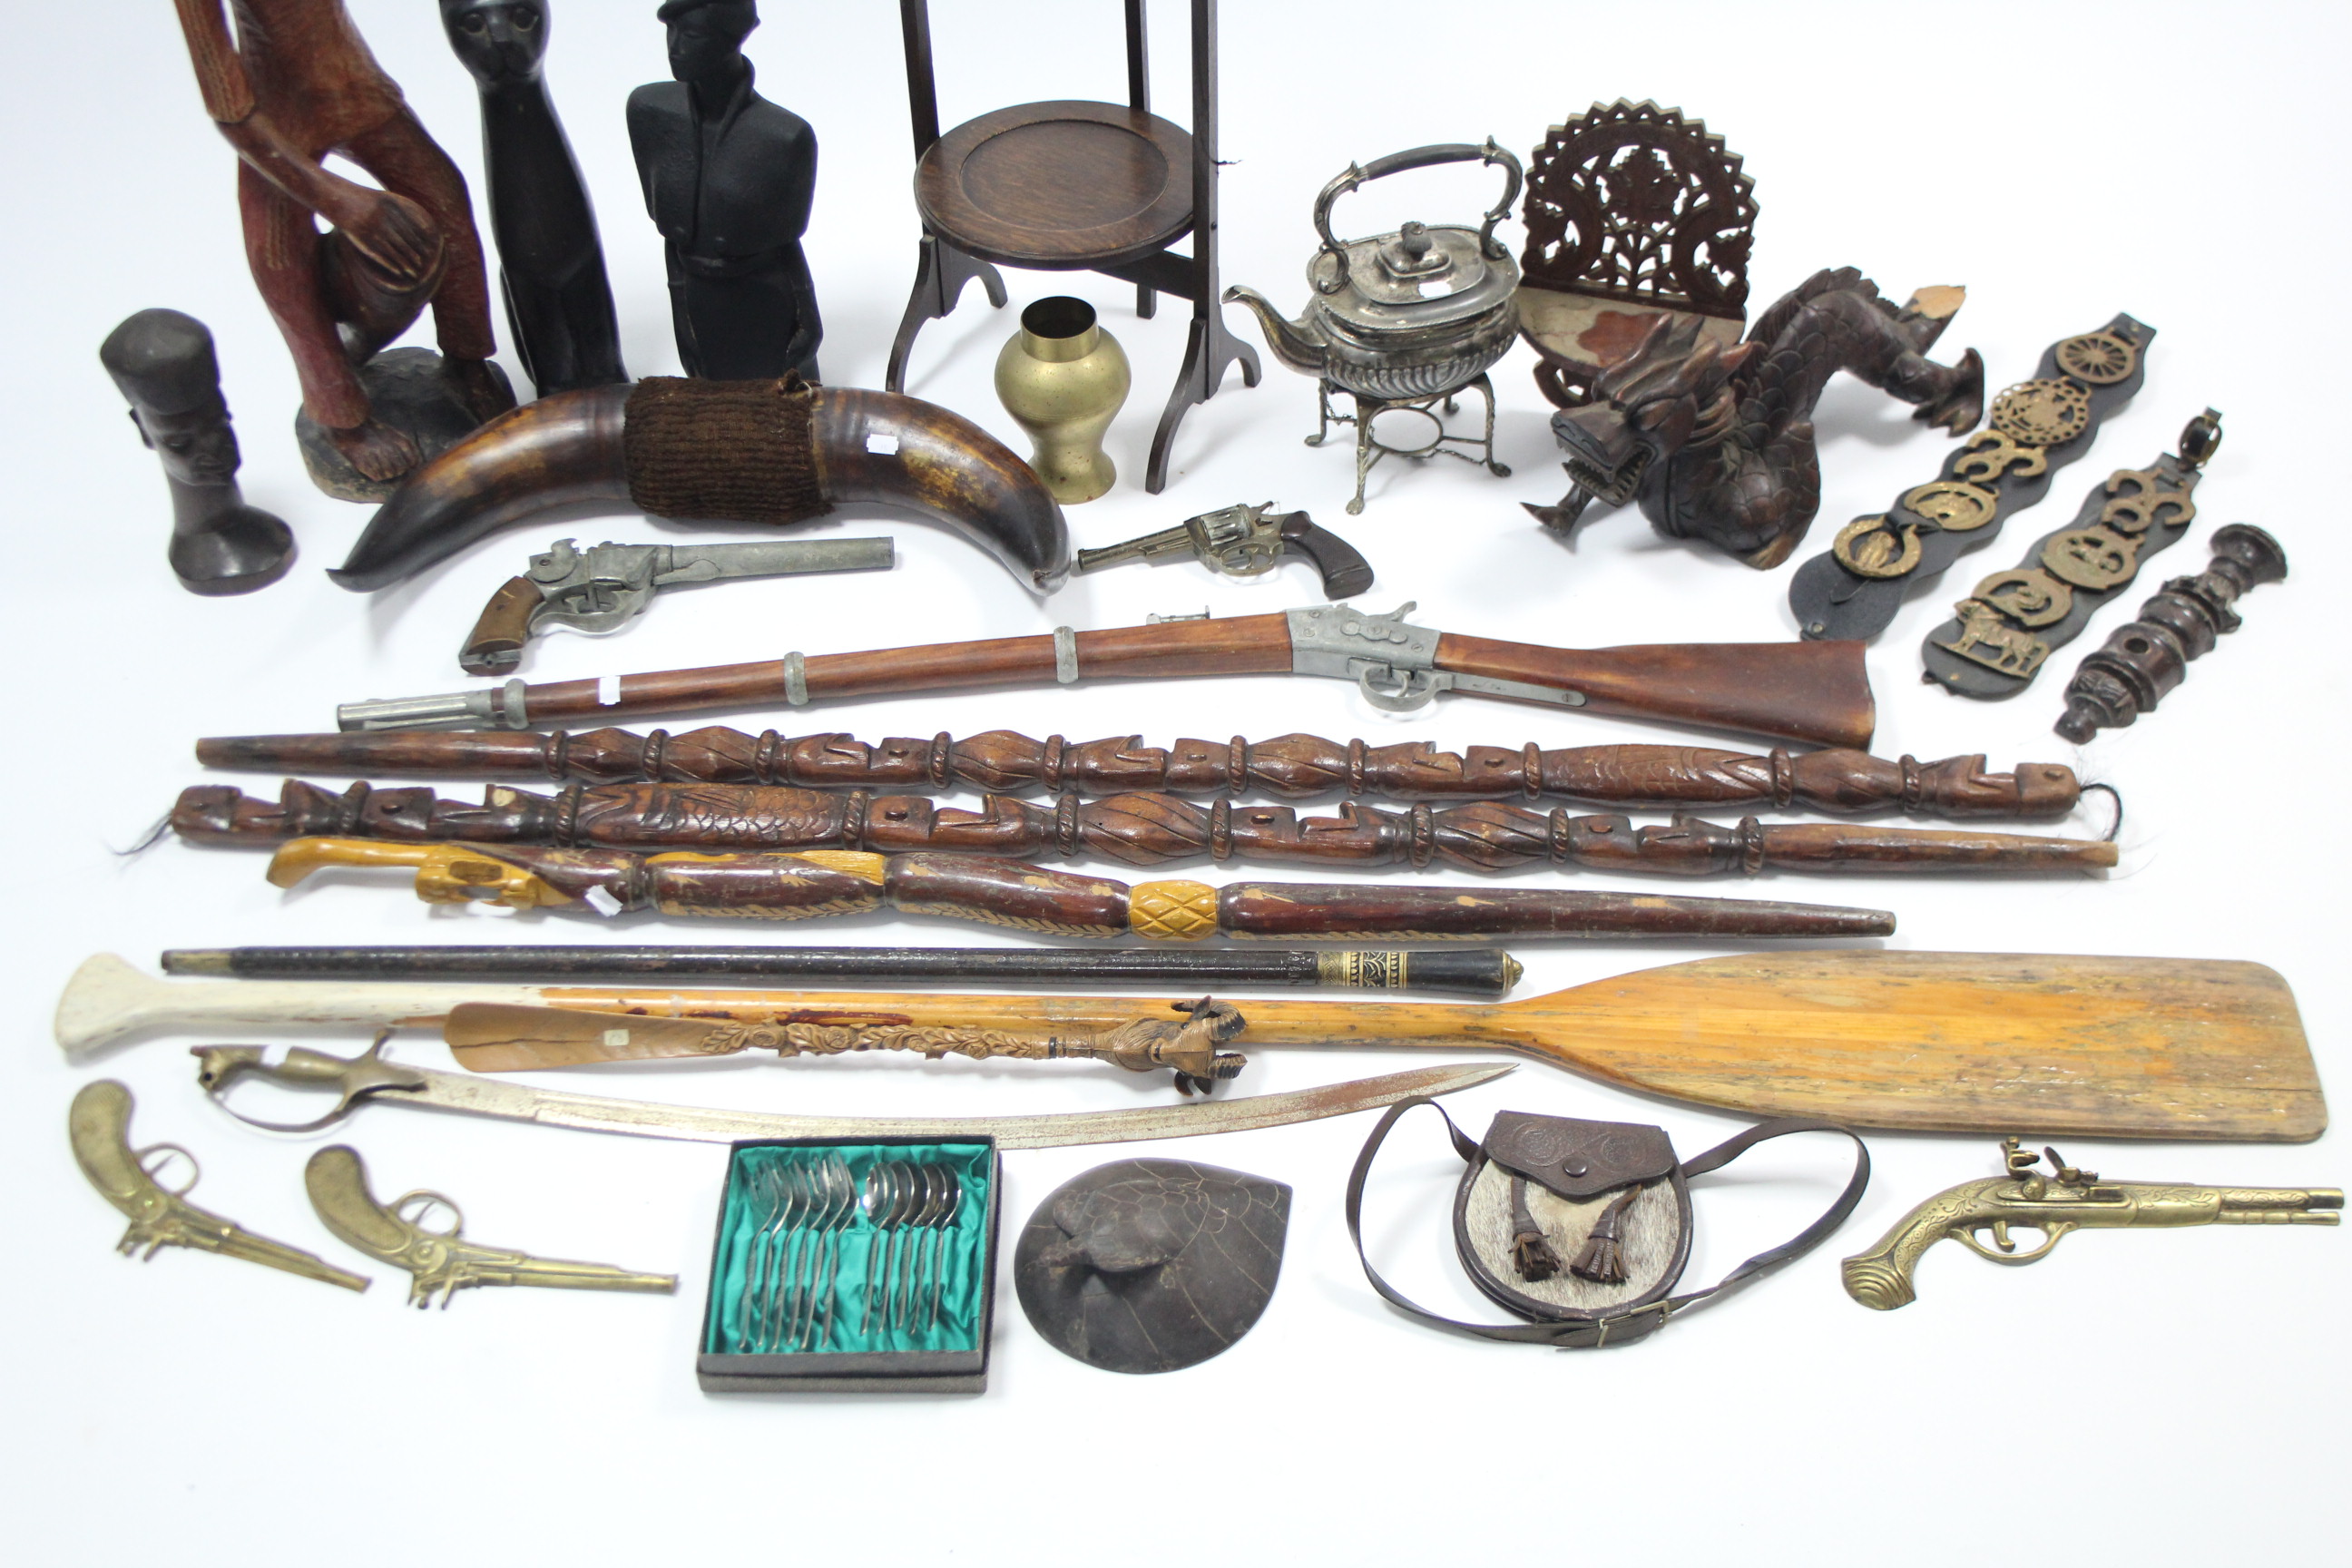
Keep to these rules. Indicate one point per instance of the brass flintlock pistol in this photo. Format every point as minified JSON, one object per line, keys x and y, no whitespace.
{"x":160,"y":1216}
{"x":442,"y":1261}
{"x":2058,"y":1205}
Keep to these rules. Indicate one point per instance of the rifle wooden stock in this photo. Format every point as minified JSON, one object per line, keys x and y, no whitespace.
{"x":1292,"y":767}
{"x":1817,"y":692}
{"x":1760,"y":688}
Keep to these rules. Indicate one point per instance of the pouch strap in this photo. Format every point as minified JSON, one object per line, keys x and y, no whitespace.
{"x":1618,"y":1328}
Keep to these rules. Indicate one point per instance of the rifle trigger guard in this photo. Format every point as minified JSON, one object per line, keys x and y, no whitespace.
{"x":1397,"y":690}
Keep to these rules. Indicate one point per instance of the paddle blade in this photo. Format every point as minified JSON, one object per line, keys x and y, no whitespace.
{"x":489,"y":1037}
{"x":1953,"y":1042}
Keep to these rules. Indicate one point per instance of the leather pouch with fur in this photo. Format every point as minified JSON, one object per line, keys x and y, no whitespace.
{"x":1583,"y":1229}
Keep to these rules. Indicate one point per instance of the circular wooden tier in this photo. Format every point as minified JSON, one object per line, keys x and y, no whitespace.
{"x":1059,"y":185}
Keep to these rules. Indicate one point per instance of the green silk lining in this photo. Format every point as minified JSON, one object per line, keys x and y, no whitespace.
{"x":738,"y":1326}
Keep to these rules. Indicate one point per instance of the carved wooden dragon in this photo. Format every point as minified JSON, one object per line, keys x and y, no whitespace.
{"x":1717,"y":443}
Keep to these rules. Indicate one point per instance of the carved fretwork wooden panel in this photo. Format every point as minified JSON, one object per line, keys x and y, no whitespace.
{"x":1633,"y":202}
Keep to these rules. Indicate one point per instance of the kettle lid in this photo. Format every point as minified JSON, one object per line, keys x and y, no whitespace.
{"x":1418,"y":277}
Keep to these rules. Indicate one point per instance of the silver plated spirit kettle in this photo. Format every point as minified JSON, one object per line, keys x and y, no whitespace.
{"x":1413,"y":314}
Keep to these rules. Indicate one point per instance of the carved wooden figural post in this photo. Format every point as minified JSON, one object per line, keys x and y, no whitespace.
{"x":728,"y":177}
{"x":550,"y":265}
{"x":163,"y":362}
{"x":298,"y":83}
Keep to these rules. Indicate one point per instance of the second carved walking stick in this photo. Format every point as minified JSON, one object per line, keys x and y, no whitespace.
{"x":1138,"y":829}
{"x":492,"y":1036}
{"x":1051,"y":903}
{"x":1292,"y":767}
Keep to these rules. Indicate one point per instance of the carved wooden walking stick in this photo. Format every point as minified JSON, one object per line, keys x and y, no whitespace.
{"x":1052,"y":903}
{"x":495,"y":1036}
{"x":1461,"y":972}
{"x":1293,"y":767}
{"x":1934,"y":1042}
{"x":1137,"y":829}
{"x":1816,"y":691}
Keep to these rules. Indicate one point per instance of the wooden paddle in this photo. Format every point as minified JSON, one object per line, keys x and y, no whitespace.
{"x":1945,"y":1042}
{"x":1936,"y":1042}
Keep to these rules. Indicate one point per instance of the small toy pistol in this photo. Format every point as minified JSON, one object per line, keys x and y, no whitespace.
{"x":441,"y":1261}
{"x":160,"y":1216}
{"x":1245,"y":542}
{"x":2056,"y":1205}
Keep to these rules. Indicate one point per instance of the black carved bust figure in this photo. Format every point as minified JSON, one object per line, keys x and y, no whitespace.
{"x":162,"y":360}
{"x":728,"y":178}
{"x":550,"y":265}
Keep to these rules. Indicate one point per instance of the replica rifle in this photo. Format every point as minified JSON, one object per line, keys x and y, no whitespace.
{"x":1291,"y":767}
{"x":1927,"y":1042}
{"x":1818,"y":692}
{"x":1140,"y":828}
{"x":822,"y":882}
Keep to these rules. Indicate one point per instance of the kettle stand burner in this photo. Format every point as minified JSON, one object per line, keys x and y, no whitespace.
{"x":1369,"y":450}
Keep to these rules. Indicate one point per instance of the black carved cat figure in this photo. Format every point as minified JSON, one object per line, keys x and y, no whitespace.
{"x":550,"y":265}
{"x":1717,"y":444}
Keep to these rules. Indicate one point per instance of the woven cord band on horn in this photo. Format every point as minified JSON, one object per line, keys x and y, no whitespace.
{"x":729,"y":451}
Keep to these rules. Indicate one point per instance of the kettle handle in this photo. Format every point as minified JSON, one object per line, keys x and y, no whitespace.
{"x":1397,"y":163}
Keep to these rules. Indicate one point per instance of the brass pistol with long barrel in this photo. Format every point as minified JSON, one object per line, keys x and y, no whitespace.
{"x":99,"y":1126}
{"x":2057,"y":1204}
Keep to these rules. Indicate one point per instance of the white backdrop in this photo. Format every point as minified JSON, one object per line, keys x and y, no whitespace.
{"x":2063,"y":163}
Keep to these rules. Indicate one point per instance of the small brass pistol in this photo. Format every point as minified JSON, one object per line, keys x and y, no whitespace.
{"x":442,"y":1262}
{"x":99,"y":1127}
{"x":2056,"y":1205}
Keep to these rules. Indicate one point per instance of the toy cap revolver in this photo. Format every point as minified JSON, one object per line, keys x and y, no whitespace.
{"x":1245,"y":542}
{"x":2057,"y":1204}
{"x":602,"y":589}
{"x":442,"y":1261}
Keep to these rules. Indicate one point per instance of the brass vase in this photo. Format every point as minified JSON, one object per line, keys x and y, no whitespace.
{"x":1063,"y":378}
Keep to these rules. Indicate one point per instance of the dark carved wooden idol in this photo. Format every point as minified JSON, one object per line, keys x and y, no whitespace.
{"x":729,"y":178}
{"x":163,"y":362}
{"x":2146,"y":659}
{"x":550,"y":264}
{"x":1145,"y":1266}
{"x":297,"y":84}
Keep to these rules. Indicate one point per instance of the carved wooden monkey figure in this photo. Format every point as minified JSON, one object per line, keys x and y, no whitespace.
{"x":551,"y":263}
{"x":297,"y":83}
